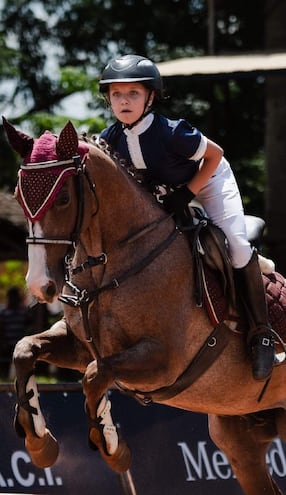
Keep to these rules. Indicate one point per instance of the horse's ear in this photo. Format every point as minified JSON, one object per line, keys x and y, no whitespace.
{"x":67,"y":143}
{"x":20,"y":142}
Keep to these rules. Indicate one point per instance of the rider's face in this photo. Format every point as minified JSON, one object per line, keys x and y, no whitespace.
{"x":128,"y":101}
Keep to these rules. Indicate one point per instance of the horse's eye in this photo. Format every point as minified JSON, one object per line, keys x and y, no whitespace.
{"x":62,"y":199}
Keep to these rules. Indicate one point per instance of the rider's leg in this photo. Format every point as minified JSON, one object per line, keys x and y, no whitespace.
{"x":260,"y":337}
{"x":222,"y":202}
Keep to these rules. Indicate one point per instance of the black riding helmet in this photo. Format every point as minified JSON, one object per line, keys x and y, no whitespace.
{"x":132,"y":68}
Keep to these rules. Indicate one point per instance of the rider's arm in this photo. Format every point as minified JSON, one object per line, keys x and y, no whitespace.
{"x":211,"y":159}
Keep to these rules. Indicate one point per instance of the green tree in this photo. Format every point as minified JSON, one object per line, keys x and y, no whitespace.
{"x":55,"y":49}
{"x":61,"y":48}
{"x":84,"y":34}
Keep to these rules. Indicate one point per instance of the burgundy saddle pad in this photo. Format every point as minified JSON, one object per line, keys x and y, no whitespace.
{"x":275,"y":287}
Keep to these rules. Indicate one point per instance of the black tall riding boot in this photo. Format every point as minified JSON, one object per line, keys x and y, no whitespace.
{"x":260,"y":337}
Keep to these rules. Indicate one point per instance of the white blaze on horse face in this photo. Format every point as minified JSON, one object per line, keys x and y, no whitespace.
{"x":37,"y":275}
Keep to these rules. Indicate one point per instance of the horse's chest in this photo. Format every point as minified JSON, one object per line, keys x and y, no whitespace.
{"x":112,"y":335}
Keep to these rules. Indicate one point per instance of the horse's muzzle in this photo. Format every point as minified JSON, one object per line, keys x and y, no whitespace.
{"x":48,"y":292}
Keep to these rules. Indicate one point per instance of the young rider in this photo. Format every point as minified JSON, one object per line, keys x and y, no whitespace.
{"x":177,"y":154}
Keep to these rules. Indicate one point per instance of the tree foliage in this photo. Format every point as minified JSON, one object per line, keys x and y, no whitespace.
{"x":44,"y":42}
{"x":54,"y":49}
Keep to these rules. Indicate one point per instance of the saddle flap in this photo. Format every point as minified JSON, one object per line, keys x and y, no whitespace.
{"x":212,"y":247}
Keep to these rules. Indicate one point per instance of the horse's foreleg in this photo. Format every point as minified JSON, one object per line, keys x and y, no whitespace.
{"x":55,"y":346}
{"x":103,"y":433}
{"x":245,"y":442}
{"x":139,"y":363}
{"x":30,"y":424}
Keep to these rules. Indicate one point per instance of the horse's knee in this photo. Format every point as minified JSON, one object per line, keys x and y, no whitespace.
{"x":25,"y":353}
{"x":96,"y":380}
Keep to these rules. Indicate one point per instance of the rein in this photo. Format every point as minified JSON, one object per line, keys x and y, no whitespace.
{"x":82,"y":296}
{"x":103,"y":257}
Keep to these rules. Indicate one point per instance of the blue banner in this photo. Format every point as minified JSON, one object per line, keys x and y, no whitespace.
{"x":172,"y":453}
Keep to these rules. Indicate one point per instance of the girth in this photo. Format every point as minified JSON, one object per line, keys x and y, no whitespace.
{"x":205,"y":357}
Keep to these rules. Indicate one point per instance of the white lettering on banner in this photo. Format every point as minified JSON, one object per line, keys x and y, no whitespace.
{"x":2,"y":482}
{"x":201,"y":466}
{"x":220,"y":460}
{"x":30,"y":478}
{"x":211,"y":466}
{"x":26,"y":477}
{"x":276,"y":459}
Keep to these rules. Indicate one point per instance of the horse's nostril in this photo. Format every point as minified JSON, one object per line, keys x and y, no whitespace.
{"x":50,"y":290}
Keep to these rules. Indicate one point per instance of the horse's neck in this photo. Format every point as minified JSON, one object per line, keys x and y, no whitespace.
{"x":124,"y":207}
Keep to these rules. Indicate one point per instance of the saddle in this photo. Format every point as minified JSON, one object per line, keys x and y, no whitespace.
{"x":210,"y":252}
{"x":215,"y":286}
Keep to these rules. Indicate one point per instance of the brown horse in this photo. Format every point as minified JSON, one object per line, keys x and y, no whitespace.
{"x":131,"y":320}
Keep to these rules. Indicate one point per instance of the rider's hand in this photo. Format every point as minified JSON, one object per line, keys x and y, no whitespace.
{"x":177,"y":201}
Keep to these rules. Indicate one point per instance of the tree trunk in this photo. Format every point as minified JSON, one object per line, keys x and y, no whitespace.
{"x":275,"y":137}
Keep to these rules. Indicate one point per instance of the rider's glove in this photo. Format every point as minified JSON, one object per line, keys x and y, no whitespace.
{"x":177,"y":201}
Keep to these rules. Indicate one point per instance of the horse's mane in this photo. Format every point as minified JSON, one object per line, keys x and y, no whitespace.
{"x":140,"y":176}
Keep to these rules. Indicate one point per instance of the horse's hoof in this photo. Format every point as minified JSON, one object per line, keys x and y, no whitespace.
{"x":43,"y":451}
{"x":121,"y":459}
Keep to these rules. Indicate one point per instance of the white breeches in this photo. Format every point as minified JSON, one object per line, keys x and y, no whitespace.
{"x":221,"y":199}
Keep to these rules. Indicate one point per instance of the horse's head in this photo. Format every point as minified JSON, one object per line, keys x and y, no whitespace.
{"x":47,"y":194}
